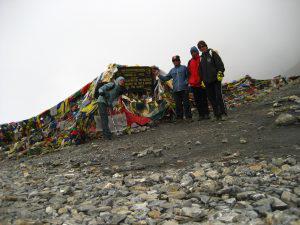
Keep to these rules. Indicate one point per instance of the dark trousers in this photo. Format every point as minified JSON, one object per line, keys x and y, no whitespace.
{"x":200,"y":98}
{"x":214,"y":94}
{"x":182,"y":103}
{"x":104,"y":119}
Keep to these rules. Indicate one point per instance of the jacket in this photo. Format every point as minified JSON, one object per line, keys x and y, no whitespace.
{"x":210,"y":63}
{"x":110,"y":93}
{"x":179,"y":75}
{"x":194,"y":72}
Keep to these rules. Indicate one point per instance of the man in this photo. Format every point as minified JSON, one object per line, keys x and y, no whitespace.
{"x":195,"y":82}
{"x":212,"y":71}
{"x":179,"y":76}
{"x":108,"y":99}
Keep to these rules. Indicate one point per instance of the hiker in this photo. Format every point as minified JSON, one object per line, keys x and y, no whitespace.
{"x":212,"y":71}
{"x":179,"y":75}
{"x":196,"y":85}
{"x":107,"y":100}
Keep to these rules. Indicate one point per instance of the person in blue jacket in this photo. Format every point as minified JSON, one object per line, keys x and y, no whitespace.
{"x":179,"y":76}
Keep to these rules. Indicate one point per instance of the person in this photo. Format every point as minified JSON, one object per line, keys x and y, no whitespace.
{"x":212,"y":71}
{"x":108,"y":99}
{"x":195,"y":83}
{"x":179,"y":76}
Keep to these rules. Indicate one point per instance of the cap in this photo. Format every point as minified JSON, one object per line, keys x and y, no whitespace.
{"x":176,"y":58}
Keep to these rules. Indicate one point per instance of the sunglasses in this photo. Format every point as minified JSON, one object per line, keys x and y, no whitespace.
{"x":175,"y":60}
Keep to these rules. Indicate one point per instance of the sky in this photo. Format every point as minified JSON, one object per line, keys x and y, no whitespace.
{"x":49,"y":49}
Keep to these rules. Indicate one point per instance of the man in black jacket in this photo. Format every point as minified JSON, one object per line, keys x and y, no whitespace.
{"x":212,"y":70}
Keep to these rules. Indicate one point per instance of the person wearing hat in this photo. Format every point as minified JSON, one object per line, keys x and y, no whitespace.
{"x":108,"y":99}
{"x":212,"y":70}
{"x":179,"y":76}
{"x":196,"y":85}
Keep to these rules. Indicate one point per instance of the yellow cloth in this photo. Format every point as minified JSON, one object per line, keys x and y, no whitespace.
{"x":67,"y":106}
{"x":60,"y":110}
{"x":90,"y":107}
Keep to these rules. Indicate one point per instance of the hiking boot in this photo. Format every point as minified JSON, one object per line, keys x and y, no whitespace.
{"x":201,"y":118}
{"x":215,"y":118}
{"x":189,"y":120}
{"x":178,"y":120}
{"x":108,"y":136}
{"x":224,"y":117}
{"x":206,"y":117}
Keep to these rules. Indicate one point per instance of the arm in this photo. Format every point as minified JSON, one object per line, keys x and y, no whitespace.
{"x":165,"y":78}
{"x":218,"y":62}
{"x":188,"y":68}
{"x":105,"y":87}
{"x":187,"y":73}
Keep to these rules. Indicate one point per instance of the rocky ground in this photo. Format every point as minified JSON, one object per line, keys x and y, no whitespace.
{"x":242,"y":171}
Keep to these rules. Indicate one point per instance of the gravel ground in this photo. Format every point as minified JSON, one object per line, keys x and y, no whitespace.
{"x":244,"y":170}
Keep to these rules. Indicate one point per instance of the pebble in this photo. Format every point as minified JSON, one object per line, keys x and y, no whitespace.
{"x":243,"y":140}
{"x":234,"y":191}
{"x":285,"y":119}
{"x":224,"y":140}
{"x":198,"y":143}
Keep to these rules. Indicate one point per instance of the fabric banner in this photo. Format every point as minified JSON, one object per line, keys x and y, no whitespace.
{"x":133,"y":118}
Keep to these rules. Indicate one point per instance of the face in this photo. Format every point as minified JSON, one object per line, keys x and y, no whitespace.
{"x":176,"y":62}
{"x":122,"y":83}
{"x":155,"y":72}
{"x":202,"y":48}
{"x":194,"y":54}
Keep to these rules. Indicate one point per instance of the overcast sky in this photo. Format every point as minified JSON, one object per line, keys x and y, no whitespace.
{"x":49,"y":49}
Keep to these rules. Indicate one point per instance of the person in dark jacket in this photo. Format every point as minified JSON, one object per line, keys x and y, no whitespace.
{"x":108,"y":99}
{"x":195,"y":83}
{"x":179,"y":76}
{"x":212,"y":71}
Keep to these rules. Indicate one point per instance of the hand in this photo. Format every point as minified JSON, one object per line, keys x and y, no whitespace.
{"x":220,"y":76}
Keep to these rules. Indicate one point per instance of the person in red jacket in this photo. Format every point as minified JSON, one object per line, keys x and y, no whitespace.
{"x":196,"y":84}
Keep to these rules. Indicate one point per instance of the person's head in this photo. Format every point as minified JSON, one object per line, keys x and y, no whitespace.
{"x":155,"y":70}
{"x":202,"y":46}
{"x":176,"y":60}
{"x":194,"y":52}
{"x":120,"y":81}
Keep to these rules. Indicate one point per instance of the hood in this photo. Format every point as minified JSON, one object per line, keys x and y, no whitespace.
{"x":118,"y":80}
{"x":194,"y":49}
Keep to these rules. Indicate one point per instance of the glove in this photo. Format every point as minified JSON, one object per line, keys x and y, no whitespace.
{"x":203,"y":85}
{"x":220,"y":76}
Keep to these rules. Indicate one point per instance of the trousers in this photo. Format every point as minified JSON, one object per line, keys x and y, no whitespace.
{"x":200,"y":98}
{"x":182,"y":104}
{"x":215,"y":97}
{"x":102,"y":108}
